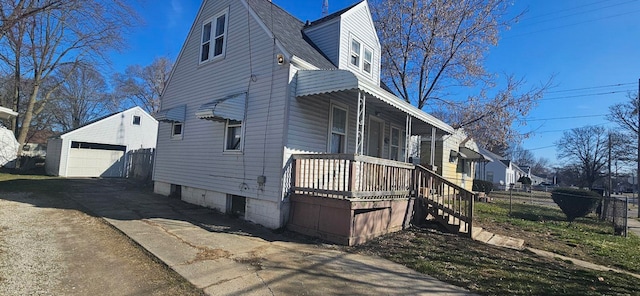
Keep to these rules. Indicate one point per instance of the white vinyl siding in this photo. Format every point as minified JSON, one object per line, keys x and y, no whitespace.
{"x":327,"y":38}
{"x":214,"y":37}
{"x":199,"y":160}
{"x":357,"y":23}
{"x":117,"y":129}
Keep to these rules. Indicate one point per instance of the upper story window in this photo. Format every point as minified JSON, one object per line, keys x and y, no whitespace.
{"x":355,"y":53}
{"x":136,"y":120}
{"x":361,"y":56}
{"x":368,"y":60}
{"x":214,"y":32}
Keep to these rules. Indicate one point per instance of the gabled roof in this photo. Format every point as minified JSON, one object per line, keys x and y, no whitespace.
{"x":100,"y":119}
{"x":491,"y":156}
{"x":287,"y":29}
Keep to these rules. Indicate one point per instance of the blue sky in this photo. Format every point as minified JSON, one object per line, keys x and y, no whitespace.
{"x":591,"y":47}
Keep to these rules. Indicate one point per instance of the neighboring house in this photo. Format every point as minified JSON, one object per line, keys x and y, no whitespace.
{"x":271,"y":119}
{"x":99,"y":148}
{"x":8,"y":144}
{"x":455,"y":158}
{"x":503,"y":173}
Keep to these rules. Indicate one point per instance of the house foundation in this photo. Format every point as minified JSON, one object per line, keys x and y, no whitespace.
{"x":348,"y":222}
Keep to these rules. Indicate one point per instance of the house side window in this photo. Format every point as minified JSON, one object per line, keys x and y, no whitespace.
{"x":338,"y":132}
{"x":214,"y":33}
{"x":176,"y":130}
{"x":368,"y":60}
{"x":136,"y":120}
{"x":233,"y":136}
{"x":396,"y":145}
{"x":355,"y":53}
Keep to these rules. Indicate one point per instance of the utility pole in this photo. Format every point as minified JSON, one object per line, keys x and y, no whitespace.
{"x":638,"y":155}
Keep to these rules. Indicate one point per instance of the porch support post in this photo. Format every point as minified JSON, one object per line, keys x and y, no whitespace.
{"x":360,"y":124}
{"x":432,"y":154}
{"x":407,"y":139}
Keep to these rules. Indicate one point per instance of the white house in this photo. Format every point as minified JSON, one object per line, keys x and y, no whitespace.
{"x":498,"y":170}
{"x":8,"y":144}
{"x":99,"y":148}
{"x":253,"y":87}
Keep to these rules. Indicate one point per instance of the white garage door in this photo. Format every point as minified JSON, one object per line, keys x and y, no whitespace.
{"x":84,"y":162}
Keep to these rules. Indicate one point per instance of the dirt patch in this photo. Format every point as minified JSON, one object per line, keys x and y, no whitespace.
{"x":52,"y":248}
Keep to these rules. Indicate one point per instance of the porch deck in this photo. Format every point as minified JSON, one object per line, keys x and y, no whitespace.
{"x":348,"y":199}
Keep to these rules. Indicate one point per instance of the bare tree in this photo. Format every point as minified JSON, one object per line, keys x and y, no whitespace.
{"x":541,"y":167}
{"x":520,"y":156}
{"x":625,"y":115}
{"x":432,"y":46}
{"x":12,"y":11}
{"x":77,"y":31}
{"x":142,"y":86}
{"x":80,"y":97}
{"x":586,"y":149}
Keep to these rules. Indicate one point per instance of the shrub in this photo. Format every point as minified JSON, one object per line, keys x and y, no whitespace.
{"x":482,"y":186}
{"x":575,"y":203}
{"x":525,"y":180}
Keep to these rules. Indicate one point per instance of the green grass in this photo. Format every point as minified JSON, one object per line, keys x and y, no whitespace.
{"x":546,"y":228}
{"x":31,"y":183}
{"x":491,"y":270}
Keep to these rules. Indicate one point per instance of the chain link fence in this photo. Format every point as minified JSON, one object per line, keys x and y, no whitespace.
{"x":614,"y":209}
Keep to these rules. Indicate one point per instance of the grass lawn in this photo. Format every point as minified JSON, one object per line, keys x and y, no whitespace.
{"x":491,"y":270}
{"x":30,"y":183}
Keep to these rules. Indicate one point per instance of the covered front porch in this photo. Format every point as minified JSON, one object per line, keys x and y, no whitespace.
{"x":366,"y":183}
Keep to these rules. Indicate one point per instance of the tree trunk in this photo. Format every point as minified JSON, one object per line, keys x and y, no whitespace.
{"x":28,"y":116}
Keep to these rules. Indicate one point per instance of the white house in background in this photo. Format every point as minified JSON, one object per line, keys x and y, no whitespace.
{"x":99,"y":148}
{"x":8,"y":143}
{"x":498,"y":170}
{"x":254,"y":86}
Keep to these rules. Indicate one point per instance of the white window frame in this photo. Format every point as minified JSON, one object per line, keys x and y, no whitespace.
{"x":174,"y":135}
{"x":364,"y":60}
{"x":213,"y":22}
{"x":233,"y":124}
{"x":346,"y":127}
{"x":352,"y":53}
{"x":401,"y":146}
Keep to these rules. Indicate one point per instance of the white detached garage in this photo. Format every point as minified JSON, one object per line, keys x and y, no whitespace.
{"x":99,"y":148}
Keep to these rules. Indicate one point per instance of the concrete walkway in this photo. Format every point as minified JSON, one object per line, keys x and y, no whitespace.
{"x":226,"y":256}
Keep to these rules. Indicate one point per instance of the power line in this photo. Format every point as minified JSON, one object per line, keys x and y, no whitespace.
{"x":599,"y":9}
{"x":541,"y":147}
{"x":566,"y":117}
{"x":563,"y":10}
{"x":584,"y":95}
{"x":592,"y":87}
{"x":569,"y":25}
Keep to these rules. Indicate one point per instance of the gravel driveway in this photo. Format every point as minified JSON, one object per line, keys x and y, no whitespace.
{"x":50,"y":247}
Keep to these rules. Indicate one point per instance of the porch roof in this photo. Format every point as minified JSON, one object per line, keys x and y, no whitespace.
{"x":316,"y":82}
{"x":175,"y":114}
{"x":230,"y":107}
